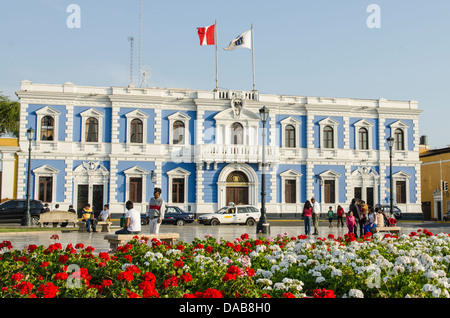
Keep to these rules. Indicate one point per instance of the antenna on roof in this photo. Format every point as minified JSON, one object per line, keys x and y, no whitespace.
{"x":140,"y":37}
{"x":131,"y":39}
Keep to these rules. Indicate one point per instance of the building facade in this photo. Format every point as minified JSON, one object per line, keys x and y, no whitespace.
{"x":435,"y":172}
{"x":204,"y":148}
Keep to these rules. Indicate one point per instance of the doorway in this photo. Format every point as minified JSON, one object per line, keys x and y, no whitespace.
{"x":237,"y":188}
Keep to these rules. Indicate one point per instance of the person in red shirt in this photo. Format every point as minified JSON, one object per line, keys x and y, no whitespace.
{"x":340,"y":216}
{"x":307,"y":215}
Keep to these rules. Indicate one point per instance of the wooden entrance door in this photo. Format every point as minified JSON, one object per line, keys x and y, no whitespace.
{"x":238,"y":195}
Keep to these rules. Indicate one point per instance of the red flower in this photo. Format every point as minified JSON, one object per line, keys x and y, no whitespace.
{"x":106,"y":282}
{"x":54,"y":237}
{"x":63,"y":259}
{"x":150,"y":277}
{"x":79,"y":245}
{"x":288,"y":295}
{"x":170,"y":282}
{"x":186,"y":277}
{"x":178,"y":263}
{"x":61,"y":276}
{"x":31,"y":248}
{"x":49,"y":290}
{"x":24,"y":287}
{"x":212,"y":293}
{"x":17,"y":277}
{"x":125,"y":276}
{"x":228,"y":277}
{"x":45,"y":264}
{"x":209,"y":249}
{"x":131,"y":294}
{"x":323,"y":293}
{"x":244,"y":236}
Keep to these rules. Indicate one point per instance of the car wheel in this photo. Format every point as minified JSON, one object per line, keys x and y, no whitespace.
{"x":250,"y":222}
{"x":215,"y":222}
{"x":180,"y":222}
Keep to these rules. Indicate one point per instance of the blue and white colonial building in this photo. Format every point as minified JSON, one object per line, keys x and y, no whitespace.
{"x":204,"y":149}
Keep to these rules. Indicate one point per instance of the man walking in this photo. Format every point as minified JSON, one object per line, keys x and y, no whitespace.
{"x":316,"y":215}
{"x":156,"y":211}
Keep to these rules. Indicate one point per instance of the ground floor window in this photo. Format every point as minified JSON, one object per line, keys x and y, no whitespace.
{"x":178,"y":190}
{"x":329,"y":191}
{"x":45,"y":189}
{"x":290,"y":191}
{"x":135,"y":194}
{"x":400,"y":187}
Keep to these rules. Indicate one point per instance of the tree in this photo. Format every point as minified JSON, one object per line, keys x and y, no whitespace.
{"x":9,"y":116}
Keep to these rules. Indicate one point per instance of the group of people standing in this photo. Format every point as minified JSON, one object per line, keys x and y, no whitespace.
{"x":360,"y":215}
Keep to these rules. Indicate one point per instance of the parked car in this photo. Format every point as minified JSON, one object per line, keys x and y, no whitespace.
{"x":386,"y":208}
{"x":446,"y":216}
{"x":232,"y":214}
{"x":13,"y":211}
{"x":173,"y":215}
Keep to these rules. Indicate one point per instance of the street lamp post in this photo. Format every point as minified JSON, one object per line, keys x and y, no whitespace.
{"x":30,"y":134}
{"x":390,"y":142}
{"x":263,"y":225}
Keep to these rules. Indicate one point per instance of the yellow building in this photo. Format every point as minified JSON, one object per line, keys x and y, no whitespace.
{"x":8,"y":168}
{"x":435,"y":169}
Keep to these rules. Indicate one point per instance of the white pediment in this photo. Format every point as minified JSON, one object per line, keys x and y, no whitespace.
{"x":290,"y":173}
{"x":136,"y":114}
{"x":136,"y":171}
{"x":45,"y":170}
{"x":329,"y":174}
{"x":179,"y":116}
{"x":91,"y":167}
{"x":229,"y":114}
{"x":401,"y":175}
{"x":364,"y":172}
{"x":399,"y":124}
{"x":178,"y":172}
{"x":47,"y":110}
{"x":290,"y":121}
{"x":328,"y":121}
{"x":363,"y":123}
{"x":92,"y":112}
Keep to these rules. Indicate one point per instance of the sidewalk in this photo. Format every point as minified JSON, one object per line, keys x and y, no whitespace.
{"x":188,"y":233}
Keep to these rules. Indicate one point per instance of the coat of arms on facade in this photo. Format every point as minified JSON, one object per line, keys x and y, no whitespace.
{"x":237,"y":103}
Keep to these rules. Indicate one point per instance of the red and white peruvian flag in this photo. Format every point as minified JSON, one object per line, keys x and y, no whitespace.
{"x":206,"y":35}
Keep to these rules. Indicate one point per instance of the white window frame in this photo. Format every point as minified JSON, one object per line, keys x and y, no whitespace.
{"x":290,"y":175}
{"x":363,"y":123}
{"x":92,"y":112}
{"x":136,"y":172}
{"x":45,"y":171}
{"x":401,"y":176}
{"x":334,"y":124}
{"x":404,"y":127}
{"x":41,"y":113}
{"x":330,"y":175}
{"x":178,"y":173}
{"x":136,"y":114}
{"x":296,"y":124}
{"x":179,"y":116}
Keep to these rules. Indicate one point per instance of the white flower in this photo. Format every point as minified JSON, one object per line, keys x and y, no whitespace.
{"x":355,"y":293}
{"x":320,"y":279}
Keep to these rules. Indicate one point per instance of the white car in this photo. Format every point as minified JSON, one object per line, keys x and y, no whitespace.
{"x":232,"y":214}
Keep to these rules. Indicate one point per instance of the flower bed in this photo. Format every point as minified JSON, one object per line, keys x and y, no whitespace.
{"x":414,"y":265}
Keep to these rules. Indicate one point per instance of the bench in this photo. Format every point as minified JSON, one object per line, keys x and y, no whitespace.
{"x":58,"y":217}
{"x":390,"y":229}
{"x":382,"y":228}
{"x":115,"y":240}
{"x":105,"y":226}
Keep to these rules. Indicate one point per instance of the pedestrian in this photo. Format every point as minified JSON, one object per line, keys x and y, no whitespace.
{"x":340,"y":216}
{"x":55,"y":224}
{"x":88,"y":217}
{"x":132,"y":220}
{"x":315,"y":215}
{"x":330,"y":216}
{"x":156,"y":211}
{"x":355,"y":211}
{"x":105,"y":215}
{"x":307,"y":214}
{"x":371,"y":220}
{"x":71,"y":209}
{"x":351,"y":222}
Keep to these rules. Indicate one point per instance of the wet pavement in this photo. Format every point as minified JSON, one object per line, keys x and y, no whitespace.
{"x":189,"y":232}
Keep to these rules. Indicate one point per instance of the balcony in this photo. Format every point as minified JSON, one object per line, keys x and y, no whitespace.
{"x":236,"y":153}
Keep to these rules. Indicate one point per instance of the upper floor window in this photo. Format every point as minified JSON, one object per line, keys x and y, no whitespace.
{"x":91,"y":129}
{"x":237,"y":134}
{"x":136,"y":131}
{"x":328,"y":137}
{"x":289,"y":135}
{"x":363,"y":138}
{"x":178,"y":132}
{"x":399,"y":139}
{"x":47,"y":128}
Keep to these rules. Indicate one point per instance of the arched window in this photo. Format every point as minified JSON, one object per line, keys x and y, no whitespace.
{"x":47,"y":128}
{"x":136,"y":131}
{"x":178,"y":132}
{"x":92,"y":129}
{"x":289,"y":135}
{"x":237,"y":134}
{"x":399,"y":139}
{"x":328,"y":137}
{"x":363,"y":138}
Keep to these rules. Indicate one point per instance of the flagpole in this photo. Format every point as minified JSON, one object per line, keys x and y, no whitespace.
{"x":217,"y":68}
{"x":253,"y":61}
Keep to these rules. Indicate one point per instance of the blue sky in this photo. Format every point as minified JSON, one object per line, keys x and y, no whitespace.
{"x":302,"y":47}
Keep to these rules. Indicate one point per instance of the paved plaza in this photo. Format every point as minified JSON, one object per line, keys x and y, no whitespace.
{"x":189,"y":232}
